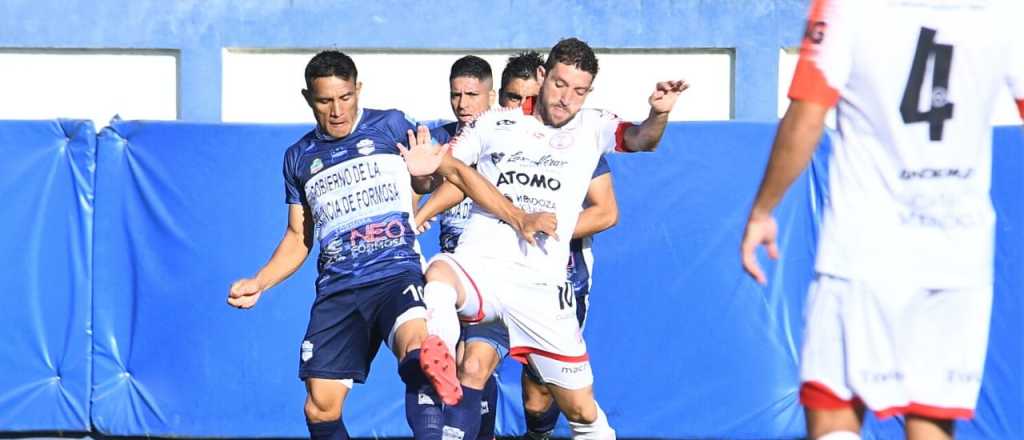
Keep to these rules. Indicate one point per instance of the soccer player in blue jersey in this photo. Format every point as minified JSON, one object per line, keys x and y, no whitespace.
{"x":346,"y":182}
{"x":471,"y":88}
{"x":487,"y":344}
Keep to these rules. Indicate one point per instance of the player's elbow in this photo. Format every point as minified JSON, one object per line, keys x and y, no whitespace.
{"x":423,"y":184}
{"x":640,"y":139}
{"x":610,"y":218}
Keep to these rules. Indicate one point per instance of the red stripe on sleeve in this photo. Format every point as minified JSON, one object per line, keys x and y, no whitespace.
{"x":809,"y":83}
{"x":620,"y":137}
{"x":1020,"y":107}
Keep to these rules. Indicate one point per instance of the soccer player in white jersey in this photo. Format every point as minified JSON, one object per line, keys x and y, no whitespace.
{"x":543,"y":163}
{"x":897,"y":318}
{"x":486,"y":345}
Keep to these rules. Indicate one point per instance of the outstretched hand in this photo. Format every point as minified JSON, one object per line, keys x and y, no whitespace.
{"x":422,"y":157}
{"x":665,"y":95}
{"x":761,"y":230}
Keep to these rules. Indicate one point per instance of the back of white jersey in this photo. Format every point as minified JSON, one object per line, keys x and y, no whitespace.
{"x":916,"y":83}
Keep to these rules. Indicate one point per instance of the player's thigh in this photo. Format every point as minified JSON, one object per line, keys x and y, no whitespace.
{"x":397,"y":312}
{"x":443,"y":269}
{"x":485,"y":346}
{"x":536,"y":397}
{"x":922,"y":428}
{"x":338,"y":342}
{"x":821,"y":422}
{"x":325,"y":398}
{"x":823,"y":360}
{"x":577,"y":404}
{"x":942,"y":342}
{"x":543,"y":332}
{"x":479,"y":281}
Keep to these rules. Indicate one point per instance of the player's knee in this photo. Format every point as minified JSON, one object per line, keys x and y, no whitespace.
{"x":536,"y":407}
{"x":474,"y":372}
{"x":536,"y":402}
{"x":584,"y":412}
{"x":440,"y":271}
{"x":322,"y":409}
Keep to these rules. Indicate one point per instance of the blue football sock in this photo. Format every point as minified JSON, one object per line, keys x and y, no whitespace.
{"x":488,"y":409}
{"x":462,"y":421}
{"x":334,"y":430}
{"x":422,"y":405}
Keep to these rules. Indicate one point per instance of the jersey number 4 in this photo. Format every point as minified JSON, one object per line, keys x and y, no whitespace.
{"x":941,"y":109}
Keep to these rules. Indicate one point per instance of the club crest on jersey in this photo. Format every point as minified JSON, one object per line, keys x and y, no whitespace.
{"x":365,"y":146}
{"x":504,"y":124}
{"x":561,"y":141}
{"x":497,"y":157}
{"x":538,"y":135}
{"x":307,"y":351}
{"x":608,"y":115}
{"x":316,"y":166}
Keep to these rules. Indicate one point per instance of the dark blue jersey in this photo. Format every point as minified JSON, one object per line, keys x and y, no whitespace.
{"x":358,"y":191}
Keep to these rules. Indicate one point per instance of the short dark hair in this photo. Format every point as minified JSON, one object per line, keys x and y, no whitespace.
{"x":330,"y":63}
{"x":522,"y":66}
{"x":572,"y":52}
{"x":471,"y":66}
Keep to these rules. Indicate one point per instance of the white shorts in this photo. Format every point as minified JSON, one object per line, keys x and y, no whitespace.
{"x":896,"y":350}
{"x":540,"y":316}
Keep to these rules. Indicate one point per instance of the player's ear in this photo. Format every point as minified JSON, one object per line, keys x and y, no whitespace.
{"x":493,"y":98}
{"x":359,"y":87}
{"x":541,"y":72}
{"x":307,"y":97}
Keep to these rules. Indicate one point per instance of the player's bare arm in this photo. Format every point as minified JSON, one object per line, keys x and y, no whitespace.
{"x":602,"y":211}
{"x":647,"y":135}
{"x":446,"y":196}
{"x":485,"y":195}
{"x":424,"y":185}
{"x":794,"y":145}
{"x":423,"y":158}
{"x":291,"y":252}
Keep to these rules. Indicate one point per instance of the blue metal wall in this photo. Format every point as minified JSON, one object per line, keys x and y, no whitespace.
{"x":121,"y":245}
{"x":754,"y":29}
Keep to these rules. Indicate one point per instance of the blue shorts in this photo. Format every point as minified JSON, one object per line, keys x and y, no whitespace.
{"x":496,"y":334}
{"x":346,"y":327}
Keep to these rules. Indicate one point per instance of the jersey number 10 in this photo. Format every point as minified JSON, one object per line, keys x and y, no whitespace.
{"x":941,"y":109}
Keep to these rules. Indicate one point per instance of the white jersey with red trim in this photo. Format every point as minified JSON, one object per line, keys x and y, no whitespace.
{"x":916,"y":82}
{"x":540,"y":169}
